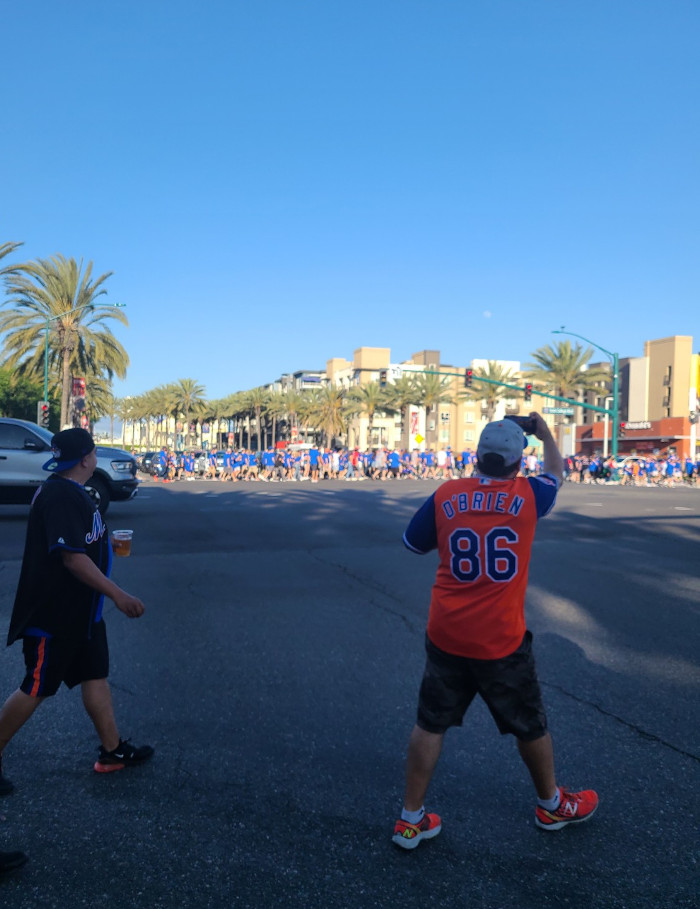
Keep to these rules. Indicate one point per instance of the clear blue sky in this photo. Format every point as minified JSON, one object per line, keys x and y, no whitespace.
{"x":277,"y":182}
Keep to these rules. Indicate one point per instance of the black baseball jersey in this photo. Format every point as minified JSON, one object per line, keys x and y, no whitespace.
{"x":49,"y":598}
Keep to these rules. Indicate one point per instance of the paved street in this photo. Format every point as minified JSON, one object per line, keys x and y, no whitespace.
{"x":276,"y":672}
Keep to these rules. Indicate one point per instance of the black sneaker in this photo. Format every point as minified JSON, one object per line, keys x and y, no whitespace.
{"x":9,"y":861}
{"x":124,"y":755}
{"x":6,"y":787}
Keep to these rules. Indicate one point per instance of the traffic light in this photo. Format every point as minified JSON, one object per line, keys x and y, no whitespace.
{"x":468,"y":377}
{"x":528,"y":391}
{"x":622,"y":429}
{"x":382,"y":378}
{"x":43,"y":413}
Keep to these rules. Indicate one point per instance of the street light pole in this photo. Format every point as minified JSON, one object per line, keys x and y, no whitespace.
{"x":616,"y":383}
{"x":46,"y":337}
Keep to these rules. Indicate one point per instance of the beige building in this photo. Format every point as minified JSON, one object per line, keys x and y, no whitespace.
{"x":658,"y":402}
{"x":456,"y":422}
{"x":668,"y":376}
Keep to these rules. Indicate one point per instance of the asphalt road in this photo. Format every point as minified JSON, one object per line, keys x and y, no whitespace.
{"x":276,"y":671}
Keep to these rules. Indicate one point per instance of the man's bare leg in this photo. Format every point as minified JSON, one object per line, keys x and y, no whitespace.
{"x":14,"y":714}
{"x":538,"y":757}
{"x":423,"y":753}
{"x":97,"y":699}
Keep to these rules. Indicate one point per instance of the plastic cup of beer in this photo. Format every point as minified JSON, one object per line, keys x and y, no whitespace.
{"x":121,"y":542}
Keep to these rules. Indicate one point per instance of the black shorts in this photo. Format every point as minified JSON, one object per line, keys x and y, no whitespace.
{"x":52,"y":660}
{"x":509,"y":688}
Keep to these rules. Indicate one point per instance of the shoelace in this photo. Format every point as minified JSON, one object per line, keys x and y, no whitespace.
{"x":569,"y":803}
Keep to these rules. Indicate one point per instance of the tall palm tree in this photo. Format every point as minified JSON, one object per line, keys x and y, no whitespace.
{"x":403,"y":393}
{"x":160,"y":403}
{"x":329,"y":411}
{"x":276,"y":407}
{"x":562,"y":371}
{"x":56,"y":294}
{"x":295,"y":402}
{"x":368,"y":399}
{"x":189,"y":396}
{"x":307,"y":410}
{"x":257,"y":402}
{"x":492,"y":392}
{"x":126,"y":410}
{"x":433,"y":391}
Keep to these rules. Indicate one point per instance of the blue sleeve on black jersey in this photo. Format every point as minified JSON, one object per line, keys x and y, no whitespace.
{"x":421,"y":533}
{"x":545,"y":487}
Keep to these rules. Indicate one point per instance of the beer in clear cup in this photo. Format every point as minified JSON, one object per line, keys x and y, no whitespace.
{"x":121,"y":542}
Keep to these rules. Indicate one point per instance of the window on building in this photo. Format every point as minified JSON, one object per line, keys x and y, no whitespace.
{"x":468,"y":435}
{"x":468,"y":416}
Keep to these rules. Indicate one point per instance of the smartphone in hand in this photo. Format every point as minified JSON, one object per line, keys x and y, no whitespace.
{"x":527,"y":424}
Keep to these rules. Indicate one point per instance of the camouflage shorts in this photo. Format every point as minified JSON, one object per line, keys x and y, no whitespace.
{"x":509,"y":688}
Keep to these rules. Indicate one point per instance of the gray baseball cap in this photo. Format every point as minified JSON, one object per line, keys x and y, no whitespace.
{"x":500,"y":447}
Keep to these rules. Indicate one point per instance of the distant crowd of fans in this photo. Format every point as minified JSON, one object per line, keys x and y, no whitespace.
{"x":633,"y":470}
{"x":314,"y":464}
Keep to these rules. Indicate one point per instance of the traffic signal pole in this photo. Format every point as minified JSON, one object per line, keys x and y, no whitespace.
{"x":518,"y":388}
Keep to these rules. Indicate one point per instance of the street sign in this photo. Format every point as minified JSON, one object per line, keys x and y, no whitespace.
{"x":567,"y":411}
{"x":419,"y":438}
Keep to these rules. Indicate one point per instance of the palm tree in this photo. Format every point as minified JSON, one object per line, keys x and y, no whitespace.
{"x":402,"y":394}
{"x":329,"y":411}
{"x":7,"y":249}
{"x":433,"y":390}
{"x":307,"y":410}
{"x":189,"y":396}
{"x":257,"y":402}
{"x":57,"y":295}
{"x":562,"y":371}
{"x":368,"y":399}
{"x":295,"y":402}
{"x":160,"y":403}
{"x":493,"y":391}
{"x":127,"y":410}
{"x":100,"y":401}
{"x":215,"y":411}
{"x":276,"y":407}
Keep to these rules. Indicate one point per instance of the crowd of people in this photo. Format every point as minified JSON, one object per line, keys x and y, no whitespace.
{"x":667,"y":470}
{"x":381,"y":463}
{"x":314,"y":464}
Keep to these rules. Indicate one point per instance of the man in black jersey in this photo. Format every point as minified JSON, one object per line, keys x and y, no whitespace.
{"x":58,"y":606}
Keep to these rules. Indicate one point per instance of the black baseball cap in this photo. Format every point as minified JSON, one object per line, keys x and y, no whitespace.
{"x":69,"y":447}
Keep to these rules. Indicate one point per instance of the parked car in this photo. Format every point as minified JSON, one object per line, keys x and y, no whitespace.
{"x":25,"y":447}
{"x":145,"y":461}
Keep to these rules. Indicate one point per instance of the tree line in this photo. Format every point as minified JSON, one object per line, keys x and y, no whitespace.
{"x":53,"y":320}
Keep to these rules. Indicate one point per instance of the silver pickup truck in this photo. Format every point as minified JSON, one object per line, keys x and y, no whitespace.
{"x":25,"y":447}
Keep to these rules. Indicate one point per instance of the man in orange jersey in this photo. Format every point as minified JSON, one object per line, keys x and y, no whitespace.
{"x":58,"y":606}
{"x":477,"y":641}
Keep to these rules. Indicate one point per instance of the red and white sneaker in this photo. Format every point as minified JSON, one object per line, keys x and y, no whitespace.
{"x":574,"y":808}
{"x":408,"y":836}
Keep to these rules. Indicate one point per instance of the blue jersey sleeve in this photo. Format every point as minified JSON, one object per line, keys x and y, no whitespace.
{"x":545,"y":487}
{"x":421,"y":533}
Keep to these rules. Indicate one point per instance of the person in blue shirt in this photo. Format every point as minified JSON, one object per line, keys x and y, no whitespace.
{"x":394,"y":463}
{"x":313,"y":464}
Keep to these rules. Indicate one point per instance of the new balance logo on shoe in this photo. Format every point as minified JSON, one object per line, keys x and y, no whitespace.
{"x":408,"y":836}
{"x":574,"y":808}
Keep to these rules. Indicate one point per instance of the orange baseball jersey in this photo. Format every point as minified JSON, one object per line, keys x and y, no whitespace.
{"x":483,"y":530}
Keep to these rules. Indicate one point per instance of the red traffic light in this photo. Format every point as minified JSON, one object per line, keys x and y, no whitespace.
{"x":528,"y":391}
{"x":43,"y":413}
{"x":468,"y":377}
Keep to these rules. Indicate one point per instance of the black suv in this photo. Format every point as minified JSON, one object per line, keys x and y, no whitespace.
{"x":26,"y":447}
